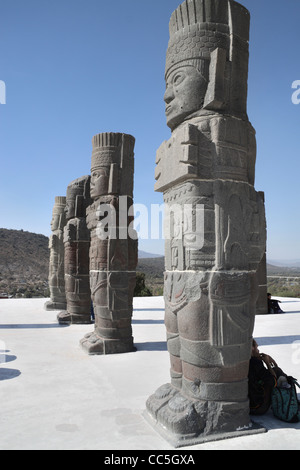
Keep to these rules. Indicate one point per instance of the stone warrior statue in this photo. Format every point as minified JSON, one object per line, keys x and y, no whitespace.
{"x":113,"y":252}
{"x":56,"y":263}
{"x":76,"y":244}
{"x":215,"y":222}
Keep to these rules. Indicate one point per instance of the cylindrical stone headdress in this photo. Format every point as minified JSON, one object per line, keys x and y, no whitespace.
{"x":78,"y":187}
{"x":59,"y":210}
{"x":78,"y":191}
{"x":115,"y":152}
{"x":200,"y":27}
{"x":59,"y":205}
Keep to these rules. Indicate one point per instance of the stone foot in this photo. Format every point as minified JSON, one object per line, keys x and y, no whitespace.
{"x":64,"y":318}
{"x":94,"y":344}
{"x":176,"y":414}
{"x":160,"y":398}
{"x":184,"y":421}
{"x":49,"y":305}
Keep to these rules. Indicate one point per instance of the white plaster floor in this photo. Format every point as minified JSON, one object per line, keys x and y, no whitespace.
{"x":56,"y":397}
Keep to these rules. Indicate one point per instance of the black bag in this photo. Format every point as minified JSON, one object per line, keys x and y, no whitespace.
{"x":256,"y":394}
{"x":284,"y":402}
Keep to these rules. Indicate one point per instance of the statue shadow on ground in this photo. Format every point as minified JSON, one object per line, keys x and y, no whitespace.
{"x":149,"y":309}
{"x":151,"y":346}
{"x":270,"y":340}
{"x":6,"y":374}
{"x":4,"y":358}
{"x":32,"y":326}
{"x":285,"y":313}
{"x":150,"y":322}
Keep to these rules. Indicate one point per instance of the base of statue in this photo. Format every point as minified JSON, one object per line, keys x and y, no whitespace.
{"x":52,"y":305}
{"x":94,"y":344}
{"x":66,"y":318}
{"x":185,"y":422}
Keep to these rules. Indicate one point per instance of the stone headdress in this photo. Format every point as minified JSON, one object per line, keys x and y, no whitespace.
{"x":78,"y":187}
{"x":78,"y":191}
{"x":59,"y":210}
{"x":59,"y":205}
{"x":115,"y":152}
{"x":213,"y":35}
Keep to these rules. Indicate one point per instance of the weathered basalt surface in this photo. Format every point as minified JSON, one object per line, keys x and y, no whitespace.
{"x":214,"y":225}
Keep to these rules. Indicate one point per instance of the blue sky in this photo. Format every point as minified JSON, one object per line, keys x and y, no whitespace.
{"x":75,"y":68}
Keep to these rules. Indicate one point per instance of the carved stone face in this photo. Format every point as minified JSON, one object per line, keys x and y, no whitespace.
{"x":99,"y":182}
{"x":185,"y":92}
{"x":70,"y":208}
{"x":54,"y":222}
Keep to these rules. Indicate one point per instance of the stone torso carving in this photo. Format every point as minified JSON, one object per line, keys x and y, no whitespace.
{"x":212,"y":146}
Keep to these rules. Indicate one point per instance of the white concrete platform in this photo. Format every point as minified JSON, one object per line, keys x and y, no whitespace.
{"x":56,"y":397}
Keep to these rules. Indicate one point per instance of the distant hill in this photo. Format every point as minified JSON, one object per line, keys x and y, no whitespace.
{"x":154,"y":273}
{"x":145,"y":254}
{"x":24,"y":261}
{"x":24,"y":265}
{"x":285,"y":263}
{"x":273,"y":270}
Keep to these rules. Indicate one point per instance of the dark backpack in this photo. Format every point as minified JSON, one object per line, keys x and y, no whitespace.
{"x":284,"y":402}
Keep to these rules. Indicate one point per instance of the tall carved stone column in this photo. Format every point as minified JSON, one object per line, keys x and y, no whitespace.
{"x":76,"y":245}
{"x":56,"y":262}
{"x":113,"y":252}
{"x":215,"y":225}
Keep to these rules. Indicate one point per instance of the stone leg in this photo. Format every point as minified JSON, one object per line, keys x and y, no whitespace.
{"x":50,"y":305}
{"x":77,"y":285}
{"x":208,"y":372}
{"x":78,"y":301}
{"x":113,"y":312}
